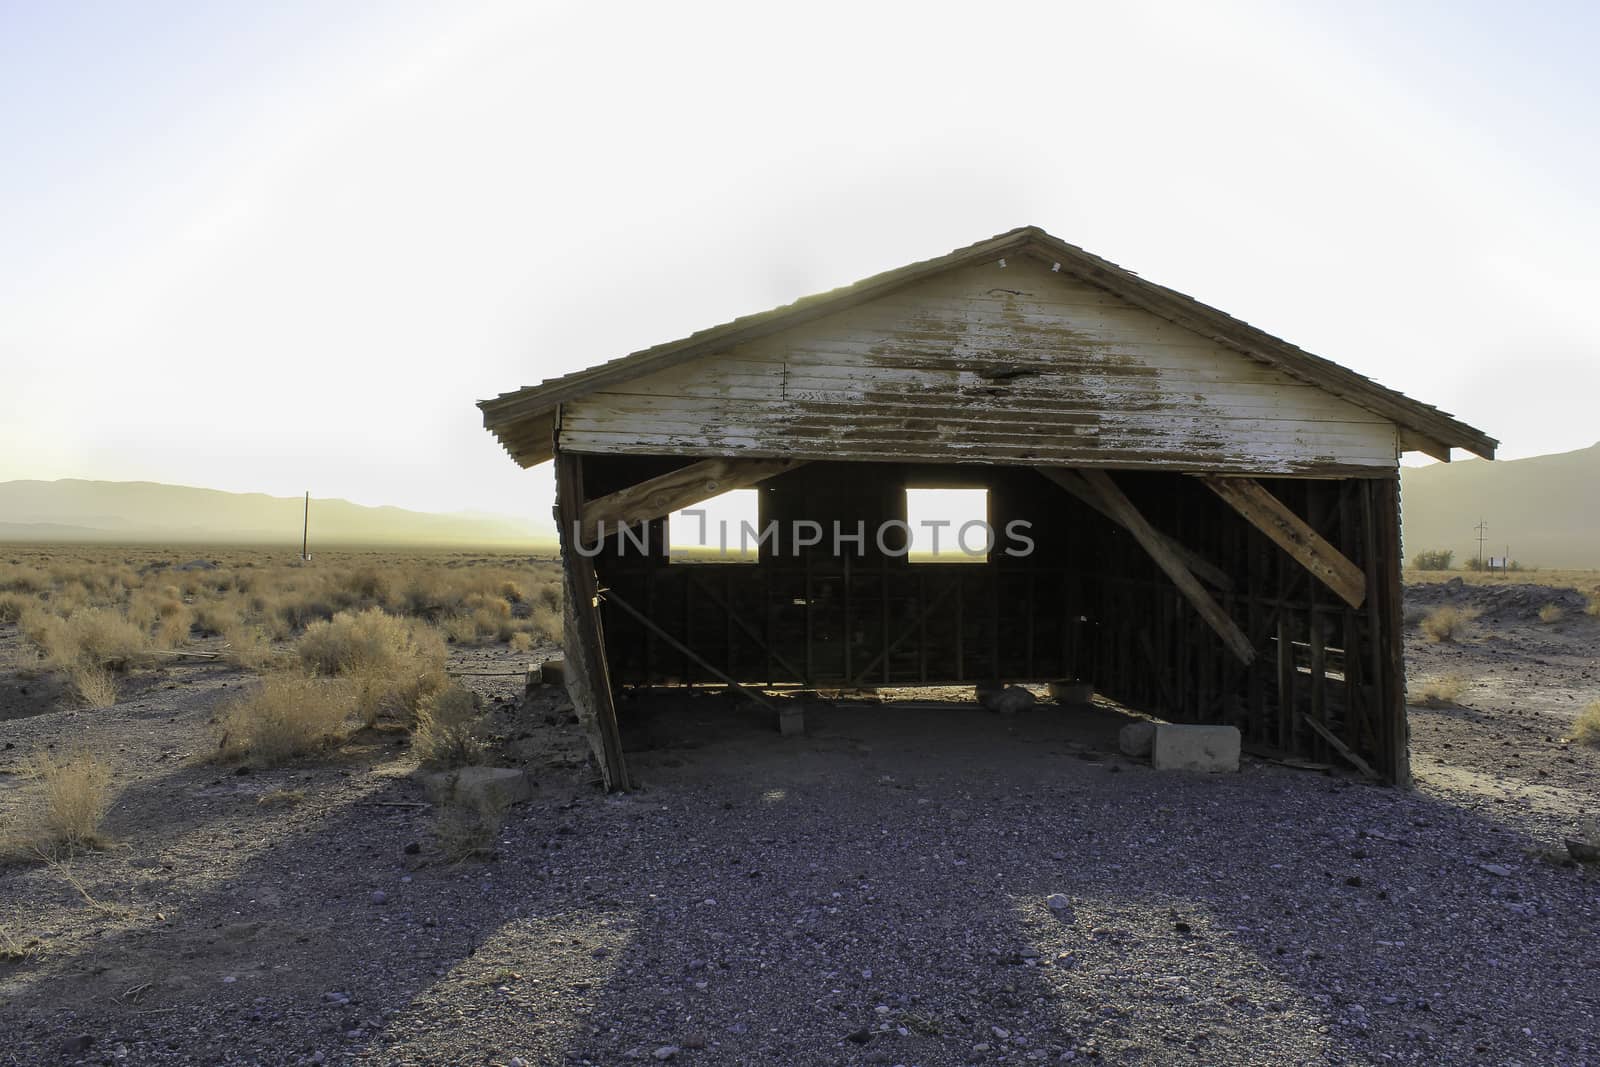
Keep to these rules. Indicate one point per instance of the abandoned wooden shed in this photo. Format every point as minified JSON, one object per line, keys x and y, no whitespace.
{"x":1211,"y":515}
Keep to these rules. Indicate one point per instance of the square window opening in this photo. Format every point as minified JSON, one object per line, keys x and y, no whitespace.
{"x":949,"y":525}
{"x":723,"y":529}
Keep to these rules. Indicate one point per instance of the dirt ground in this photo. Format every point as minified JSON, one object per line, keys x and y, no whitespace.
{"x":877,"y":891}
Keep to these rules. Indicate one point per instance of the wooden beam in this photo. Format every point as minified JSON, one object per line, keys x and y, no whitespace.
{"x":650,"y":624}
{"x":1340,"y":747}
{"x":666,"y":493}
{"x":583,"y":640}
{"x":1411,"y":441}
{"x":1125,"y":514}
{"x":1293,"y":534}
{"x":1073,"y":482}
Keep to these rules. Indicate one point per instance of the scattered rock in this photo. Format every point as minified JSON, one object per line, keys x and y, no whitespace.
{"x":665,"y":1052}
{"x":1008,"y":700}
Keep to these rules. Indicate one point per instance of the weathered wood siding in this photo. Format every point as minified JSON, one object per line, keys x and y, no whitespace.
{"x":989,"y":364}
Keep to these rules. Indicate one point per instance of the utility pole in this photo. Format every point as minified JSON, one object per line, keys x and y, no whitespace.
{"x":1483,"y":531}
{"x":305,"y":533}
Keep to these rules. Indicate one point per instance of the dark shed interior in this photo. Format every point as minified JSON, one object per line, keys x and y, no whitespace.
{"x":1088,"y":602}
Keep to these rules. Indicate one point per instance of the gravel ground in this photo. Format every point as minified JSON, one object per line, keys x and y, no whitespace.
{"x":900,"y":886}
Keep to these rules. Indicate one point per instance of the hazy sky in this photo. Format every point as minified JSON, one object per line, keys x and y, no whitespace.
{"x":285,"y":247}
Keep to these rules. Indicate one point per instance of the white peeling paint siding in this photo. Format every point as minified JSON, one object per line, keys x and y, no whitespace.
{"x":989,"y":364}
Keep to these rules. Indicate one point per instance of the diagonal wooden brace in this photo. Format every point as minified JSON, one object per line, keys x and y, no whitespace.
{"x":1204,"y":569}
{"x":666,"y":493}
{"x":1122,"y":511}
{"x":1293,"y":534}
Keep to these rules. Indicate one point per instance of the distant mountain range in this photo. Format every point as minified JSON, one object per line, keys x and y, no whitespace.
{"x":88,"y":511}
{"x":1545,"y":509}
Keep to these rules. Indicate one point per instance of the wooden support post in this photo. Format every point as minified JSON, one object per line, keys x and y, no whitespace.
{"x":675,"y":490}
{"x":1293,"y":534}
{"x":1125,"y":514}
{"x":1394,"y":729}
{"x":583,"y":641}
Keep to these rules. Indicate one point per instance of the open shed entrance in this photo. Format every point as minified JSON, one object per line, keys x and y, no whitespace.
{"x":1269,"y":604}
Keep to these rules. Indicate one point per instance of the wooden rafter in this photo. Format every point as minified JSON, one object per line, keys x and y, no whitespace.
{"x":1073,"y":482}
{"x":681,"y":488}
{"x":1293,"y":534}
{"x":1125,"y":514}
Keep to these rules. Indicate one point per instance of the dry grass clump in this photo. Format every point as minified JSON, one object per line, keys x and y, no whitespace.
{"x":288,"y":716}
{"x":1447,"y":623}
{"x":448,"y":730}
{"x":14,"y":949}
{"x":12,"y":605}
{"x":1552,"y":613}
{"x":1586,"y":728}
{"x":1593,"y":607}
{"x":281,"y":798}
{"x":95,"y":686}
{"x":1443,"y":691}
{"x":67,"y":803}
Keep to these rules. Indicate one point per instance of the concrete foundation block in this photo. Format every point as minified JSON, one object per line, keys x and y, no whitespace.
{"x":1180,"y":747}
{"x":491,"y":787}
{"x":791,"y":721}
{"x":1136,"y":738}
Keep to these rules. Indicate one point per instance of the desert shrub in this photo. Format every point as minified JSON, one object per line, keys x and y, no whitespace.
{"x":1443,"y":691}
{"x":1593,"y":607}
{"x":95,"y":686}
{"x":173,"y":628}
{"x":521,"y":641}
{"x":545,"y":623}
{"x":448,"y":729}
{"x":1586,"y":728}
{"x":367,"y":583}
{"x":66,"y":804}
{"x":91,"y":637}
{"x":288,"y":716}
{"x":12,"y":605}
{"x":370,"y":640}
{"x":215,"y":618}
{"x":248,"y":646}
{"x":1446,"y":623}
{"x":1434,"y":559}
{"x":1552,"y":613}
{"x":19,"y":579}
{"x":396,"y":694}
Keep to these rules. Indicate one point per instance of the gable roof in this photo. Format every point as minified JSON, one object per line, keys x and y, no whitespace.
{"x":524,"y":420}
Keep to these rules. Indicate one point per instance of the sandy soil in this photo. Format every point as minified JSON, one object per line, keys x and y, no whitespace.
{"x":877,"y":891}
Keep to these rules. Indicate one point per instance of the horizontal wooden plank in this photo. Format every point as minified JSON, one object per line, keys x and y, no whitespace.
{"x":1063,"y":453}
{"x":695,"y":414}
